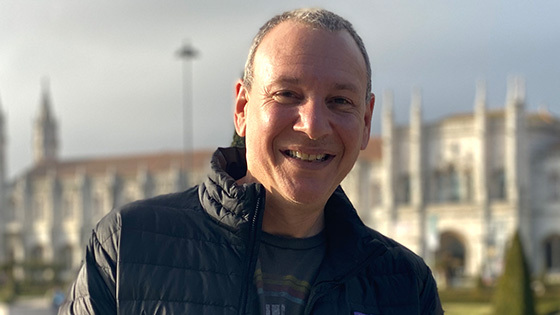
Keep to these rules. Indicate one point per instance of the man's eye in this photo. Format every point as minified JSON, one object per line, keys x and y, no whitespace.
{"x":341,"y":100}
{"x":286,"y":97}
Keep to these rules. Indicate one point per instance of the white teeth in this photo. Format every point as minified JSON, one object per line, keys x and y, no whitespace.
{"x":307,"y":157}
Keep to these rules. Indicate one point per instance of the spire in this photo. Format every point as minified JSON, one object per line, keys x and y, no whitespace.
{"x":515,"y":128}
{"x":416,"y":103}
{"x":388,"y":100}
{"x":480,"y":97}
{"x":516,"y":90}
{"x":45,"y":110}
{"x":387,"y":121}
{"x":416,"y":115}
{"x":45,"y":136}
{"x":415,"y":149}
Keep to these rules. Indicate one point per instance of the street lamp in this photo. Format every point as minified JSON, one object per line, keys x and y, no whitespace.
{"x":187,"y":53}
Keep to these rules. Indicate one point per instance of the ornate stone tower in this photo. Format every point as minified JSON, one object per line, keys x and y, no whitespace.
{"x":481,"y":194}
{"x":516,"y":158}
{"x":388,"y":136}
{"x":45,"y":133}
{"x":416,"y":168}
{"x":514,"y":118}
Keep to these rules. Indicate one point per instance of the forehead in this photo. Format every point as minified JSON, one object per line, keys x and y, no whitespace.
{"x":293,"y":46}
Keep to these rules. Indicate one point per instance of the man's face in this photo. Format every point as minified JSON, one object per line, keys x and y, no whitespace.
{"x":305,"y":118}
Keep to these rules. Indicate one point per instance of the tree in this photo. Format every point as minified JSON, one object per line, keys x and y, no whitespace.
{"x":513,"y":293}
{"x":237,"y":141}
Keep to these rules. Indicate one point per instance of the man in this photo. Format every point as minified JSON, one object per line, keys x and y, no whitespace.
{"x":270,"y":231}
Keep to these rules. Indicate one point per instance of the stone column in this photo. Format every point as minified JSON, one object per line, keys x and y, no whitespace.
{"x":514,"y":112}
{"x":416,"y":169}
{"x":517,"y":160}
{"x":388,"y":156}
{"x":52,"y":212}
{"x":481,"y":192}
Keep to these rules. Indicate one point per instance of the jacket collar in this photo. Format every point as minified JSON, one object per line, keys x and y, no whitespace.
{"x":350,"y":243}
{"x":223,"y":199}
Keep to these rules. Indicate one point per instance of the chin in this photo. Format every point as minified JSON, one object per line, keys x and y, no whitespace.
{"x":309,"y":198}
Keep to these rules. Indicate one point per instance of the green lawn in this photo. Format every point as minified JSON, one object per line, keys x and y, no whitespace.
{"x":478,"y":302}
{"x":458,"y":308}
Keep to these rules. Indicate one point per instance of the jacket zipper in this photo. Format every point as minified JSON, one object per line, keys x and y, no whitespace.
{"x":322,"y":288}
{"x":252,"y":258}
{"x":318,"y":291}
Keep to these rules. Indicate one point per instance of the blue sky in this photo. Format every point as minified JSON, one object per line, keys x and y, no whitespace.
{"x":116,"y":83}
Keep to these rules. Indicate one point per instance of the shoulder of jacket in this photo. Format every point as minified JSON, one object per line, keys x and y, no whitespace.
{"x":144,"y":212}
{"x":400,"y":257}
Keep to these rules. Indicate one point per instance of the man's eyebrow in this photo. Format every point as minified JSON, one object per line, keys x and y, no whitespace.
{"x":346,"y":87}
{"x":295,"y":81}
{"x":287,"y":80}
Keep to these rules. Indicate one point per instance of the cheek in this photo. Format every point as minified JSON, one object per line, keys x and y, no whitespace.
{"x":261,"y":129}
{"x":352,"y":129}
{"x":271,"y":121}
{"x":266,"y":118}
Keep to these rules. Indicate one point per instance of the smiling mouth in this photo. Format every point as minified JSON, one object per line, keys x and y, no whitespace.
{"x":307,"y":157}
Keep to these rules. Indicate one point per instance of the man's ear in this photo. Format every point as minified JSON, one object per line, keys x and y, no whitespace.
{"x":367,"y":121}
{"x":240,"y":114}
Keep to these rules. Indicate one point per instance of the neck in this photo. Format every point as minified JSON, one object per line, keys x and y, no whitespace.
{"x":282,"y":217}
{"x":292,"y":220}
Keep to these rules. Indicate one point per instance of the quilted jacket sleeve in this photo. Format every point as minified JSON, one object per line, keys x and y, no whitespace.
{"x":93,"y":292}
{"x":429,"y":297}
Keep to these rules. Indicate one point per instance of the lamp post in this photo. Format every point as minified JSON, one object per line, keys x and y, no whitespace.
{"x":187,"y":53}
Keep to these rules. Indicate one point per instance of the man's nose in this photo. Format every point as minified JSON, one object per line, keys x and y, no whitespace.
{"x":313,"y":119}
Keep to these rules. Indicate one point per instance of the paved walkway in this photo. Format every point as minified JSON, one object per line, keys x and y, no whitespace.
{"x":28,"y":307}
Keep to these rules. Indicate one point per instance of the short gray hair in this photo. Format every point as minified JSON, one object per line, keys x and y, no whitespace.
{"x":317,"y":18}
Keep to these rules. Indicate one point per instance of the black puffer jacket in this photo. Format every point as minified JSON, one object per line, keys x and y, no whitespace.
{"x":195,"y":252}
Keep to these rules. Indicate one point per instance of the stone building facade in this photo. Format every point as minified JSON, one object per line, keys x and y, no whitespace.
{"x":454,"y":191}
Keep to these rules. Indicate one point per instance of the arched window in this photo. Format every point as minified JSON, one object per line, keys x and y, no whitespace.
{"x":448,"y":185}
{"x":552,"y":253}
{"x":454,"y":192}
{"x":450,"y":257}
{"x":498,"y":185}
{"x":403,"y":189}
